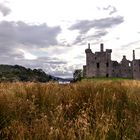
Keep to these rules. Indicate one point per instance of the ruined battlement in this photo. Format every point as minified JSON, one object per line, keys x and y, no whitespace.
{"x":99,"y":64}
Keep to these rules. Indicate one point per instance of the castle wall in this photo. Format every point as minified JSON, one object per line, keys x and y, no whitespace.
{"x":89,"y":63}
{"x":126,"y":68}
{"x":99,"y":64}
{"x":102,"y":64}
{"x":116,"y":69}
{"x":136,"y":69}
{"x":84,"y":71}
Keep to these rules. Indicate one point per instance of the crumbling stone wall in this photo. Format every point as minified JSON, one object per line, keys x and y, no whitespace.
{"x":99,"y":64}
{"x":136,"y":69}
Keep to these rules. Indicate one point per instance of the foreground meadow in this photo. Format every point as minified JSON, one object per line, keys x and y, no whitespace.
{"x":88,"y":110}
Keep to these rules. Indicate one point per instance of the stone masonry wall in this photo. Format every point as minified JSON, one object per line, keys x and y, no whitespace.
{"x":99,"y":64}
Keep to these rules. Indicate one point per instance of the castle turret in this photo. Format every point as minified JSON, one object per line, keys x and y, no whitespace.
{"x":101,"y":47}
{"x":133,"y":54}
{"x":88,"y":45}
{"x":124,"y":57}
{"x":88,"y":50}
{"x":89,"y":61}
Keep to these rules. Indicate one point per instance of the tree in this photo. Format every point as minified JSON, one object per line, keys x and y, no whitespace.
{"x":77,"y":75}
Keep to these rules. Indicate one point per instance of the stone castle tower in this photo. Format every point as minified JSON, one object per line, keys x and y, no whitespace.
{"x":99,"y":64}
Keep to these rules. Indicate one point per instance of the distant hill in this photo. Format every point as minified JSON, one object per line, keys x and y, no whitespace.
{"x":19,"y":73}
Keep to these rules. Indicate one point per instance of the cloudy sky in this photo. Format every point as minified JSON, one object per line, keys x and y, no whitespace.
{"x":53,"y":34}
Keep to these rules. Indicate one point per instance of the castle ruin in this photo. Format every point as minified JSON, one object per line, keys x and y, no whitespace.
{"x":99,"y":64}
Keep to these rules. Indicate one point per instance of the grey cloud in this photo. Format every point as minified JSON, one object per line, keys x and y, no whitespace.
{"x":37,"y":34}
{"x":15,"y":34}
{"x":111,"y":9}
{"x":67,"y":71}
{"x":4,"y":10}
{"x":85,"y":25}
{"x":81,"y":39}
{"x":130,"y":44}
{"x":101,"y":27}
{"x":50,"y":65}
{"x":99,"y":34}
{"x":117,"y":38}
{"x":80,"y":57}
{"x":50,"y":60}
{"x":19,"y":35}
{"x":22,"y":33}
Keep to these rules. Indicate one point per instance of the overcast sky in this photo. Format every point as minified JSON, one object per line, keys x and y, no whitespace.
{"x":53,"y":34}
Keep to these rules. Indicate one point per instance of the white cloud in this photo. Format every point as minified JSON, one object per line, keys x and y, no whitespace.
{"x":4,"y":10}
{"x":28,"y":55}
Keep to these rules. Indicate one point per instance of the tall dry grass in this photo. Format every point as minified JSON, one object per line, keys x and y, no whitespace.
{"x":88,"y":110}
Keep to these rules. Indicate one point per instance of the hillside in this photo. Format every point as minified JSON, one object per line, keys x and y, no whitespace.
{"x":19,"y":73}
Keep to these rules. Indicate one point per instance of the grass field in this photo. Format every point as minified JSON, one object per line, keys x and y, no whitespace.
{"x":87,"y":110}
